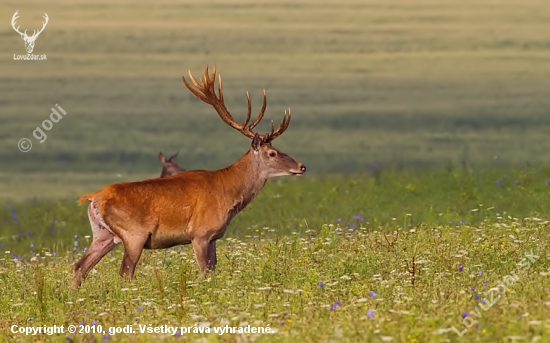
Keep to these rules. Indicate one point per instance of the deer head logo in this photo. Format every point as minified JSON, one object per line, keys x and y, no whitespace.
{"x":29,"y":41}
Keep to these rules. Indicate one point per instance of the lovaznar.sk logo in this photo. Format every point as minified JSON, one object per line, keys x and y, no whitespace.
{"x":29,"y":40}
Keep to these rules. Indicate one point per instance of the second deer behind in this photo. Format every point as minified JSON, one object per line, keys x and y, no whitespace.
{"x":169,"y":165}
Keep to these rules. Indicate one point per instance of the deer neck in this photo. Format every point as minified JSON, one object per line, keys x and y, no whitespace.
{"x":242,"y":181}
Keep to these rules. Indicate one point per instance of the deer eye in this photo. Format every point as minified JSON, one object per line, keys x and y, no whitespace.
{"x":272,"y":154}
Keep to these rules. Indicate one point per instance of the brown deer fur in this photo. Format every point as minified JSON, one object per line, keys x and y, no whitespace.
{"x":193,"y":207}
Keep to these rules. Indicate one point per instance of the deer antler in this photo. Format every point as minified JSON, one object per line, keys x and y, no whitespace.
{"x":13,"y":19}
{"x":43,"y":25}
{"x":206,"y":92}
{"x":35,"y":34}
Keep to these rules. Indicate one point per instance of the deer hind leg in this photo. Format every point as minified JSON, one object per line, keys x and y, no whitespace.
{"x":103,"y":241}
{"x":133,"y":246}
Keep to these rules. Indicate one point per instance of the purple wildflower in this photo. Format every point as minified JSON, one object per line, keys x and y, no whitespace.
{"x":335,"y":305}
{"x":370,"y":313}
{"x":372,"y":294}
{"x":460,"y":268}
{"x":465,"y":314}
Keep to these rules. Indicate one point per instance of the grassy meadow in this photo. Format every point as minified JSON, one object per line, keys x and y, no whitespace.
{"x":385,"y":256}
{"x":424,"y":125}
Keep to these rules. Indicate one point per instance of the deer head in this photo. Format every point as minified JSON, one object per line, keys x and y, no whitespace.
{"x":271,"y":161}
{"x":169,"y":166}
{"x":29,"y":41}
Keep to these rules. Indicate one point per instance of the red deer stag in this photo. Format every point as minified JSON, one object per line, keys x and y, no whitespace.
{"x":193,"y":207}
{"x":169,"y":166}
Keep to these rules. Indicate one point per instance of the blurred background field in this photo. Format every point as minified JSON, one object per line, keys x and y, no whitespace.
{"x":417,"y":84}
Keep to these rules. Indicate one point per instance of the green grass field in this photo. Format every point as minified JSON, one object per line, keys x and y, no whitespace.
{"x":360,"y":258}
{"x":424,"y":125}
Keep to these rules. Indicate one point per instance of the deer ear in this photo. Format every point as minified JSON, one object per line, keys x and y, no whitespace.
{"x":256,"y":142}
{"x":161,"y":157}
{"x":173,"y":157}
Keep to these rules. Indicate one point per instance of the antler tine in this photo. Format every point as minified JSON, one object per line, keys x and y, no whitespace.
{"x":213,"y":74}
{"x":285,"y":122}
{"x":247,"y":119}
{"x":261,"y":114}
{"x":193,"y":90}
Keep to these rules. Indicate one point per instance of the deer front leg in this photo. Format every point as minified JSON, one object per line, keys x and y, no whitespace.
{"x":212,"y":260}
{"x":201,"y":248}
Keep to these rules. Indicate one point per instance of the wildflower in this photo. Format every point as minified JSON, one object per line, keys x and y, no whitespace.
{"x":75,"y":236}
{"x":339,"y":220}
{"x":32,"y":245}
{"x":335,"y":305}
{"x":75,"y":243}
{"x":372,"y":294}
{"x":478,"y":296}
{"x":465,"y":314}
{"x":140,"y":308}
{"x":370,"y":313}
{"x":485,"y":283}
{"x":94,"y":322}
{"x":483,"y":301}
{"x":479,"y":273}
{"x":320,"y":284}
{"x":473,"y":288}
{"x":285,"y":313}
{"x":460,"y":267}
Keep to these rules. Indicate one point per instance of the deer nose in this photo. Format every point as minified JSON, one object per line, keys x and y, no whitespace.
{"x":303,"y":168}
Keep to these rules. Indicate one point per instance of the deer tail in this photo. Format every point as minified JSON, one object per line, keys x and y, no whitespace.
{"x":87,"y":197}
